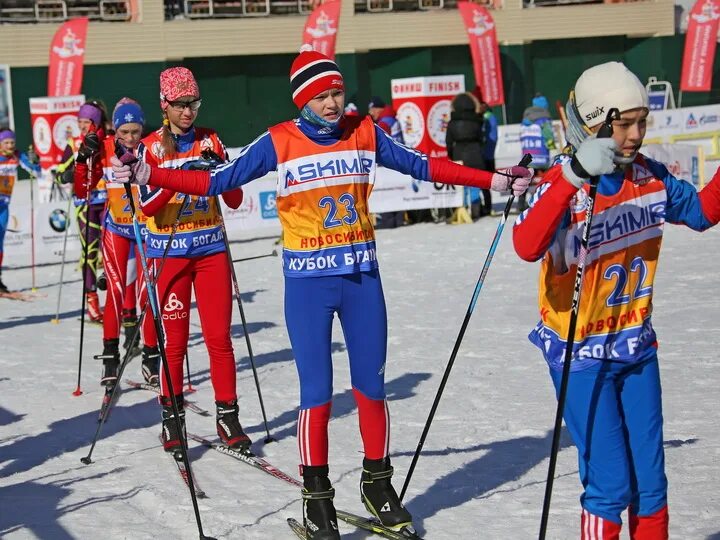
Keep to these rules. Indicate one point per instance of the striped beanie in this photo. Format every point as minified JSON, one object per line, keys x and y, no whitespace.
{"x":312,"y":73}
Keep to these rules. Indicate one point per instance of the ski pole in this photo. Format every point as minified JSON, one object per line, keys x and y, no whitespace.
{"x":87,"y":460}
{"x":189,"y":388}
{"x":605,"y":131}
{"x":155,"y":310}
{"x":273,"y":253}
{"x":524,"y":162}
{"x":268,"y":438}
{"x":93,"y":143}
{"x":32,"y":230}
{"x":68,"y":221}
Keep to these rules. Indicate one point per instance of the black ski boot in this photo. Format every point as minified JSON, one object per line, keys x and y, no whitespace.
{"x":111,"y":362}
{"x":228,"y":426}
{"x":318,"y":509}
{"x":151,"y":365}
{"x":132,"y":335}
{"x":379,"y":496}
{"x":170,"y":433}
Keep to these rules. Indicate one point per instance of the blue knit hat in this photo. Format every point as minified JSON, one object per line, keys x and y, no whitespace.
{"x":128,"y":113}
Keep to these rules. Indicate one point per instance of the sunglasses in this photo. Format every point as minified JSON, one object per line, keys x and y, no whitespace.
{"x":180,"y":106}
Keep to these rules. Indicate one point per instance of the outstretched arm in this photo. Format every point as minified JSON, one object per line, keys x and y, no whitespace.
{"x":394,"y":155}
{"x":255,"y":160}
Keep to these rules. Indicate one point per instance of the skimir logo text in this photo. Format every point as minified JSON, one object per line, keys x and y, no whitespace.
{"x":329,"y":168}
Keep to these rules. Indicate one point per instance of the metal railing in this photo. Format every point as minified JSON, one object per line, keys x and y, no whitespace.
{"x":51,"y":11}
{"x":203,"y":9}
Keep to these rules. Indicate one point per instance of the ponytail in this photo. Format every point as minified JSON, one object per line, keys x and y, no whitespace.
{"x":167,"y":141}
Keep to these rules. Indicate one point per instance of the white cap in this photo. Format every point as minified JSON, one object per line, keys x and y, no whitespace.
{"x":607,"y":86}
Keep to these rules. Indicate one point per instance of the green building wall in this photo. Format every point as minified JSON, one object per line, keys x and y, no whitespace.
{"x":242,"y":95}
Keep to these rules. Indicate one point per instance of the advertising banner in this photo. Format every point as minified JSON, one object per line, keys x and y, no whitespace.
{"x":321,"y":28}
{"x":54,"y":121}
{"x":484,"y":50}
{"x":395,"y":191}
{"x":67,"y":58}
{"x":51,"y":219}
{"x":422,"y":105}
{"x":700,"y":44}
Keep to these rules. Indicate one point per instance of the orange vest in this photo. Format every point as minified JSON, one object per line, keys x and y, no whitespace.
{"x":322,"y":200}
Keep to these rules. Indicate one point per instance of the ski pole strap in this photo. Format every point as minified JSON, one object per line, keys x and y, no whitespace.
{"x":317,"y":495}
{"x":380,"y":474}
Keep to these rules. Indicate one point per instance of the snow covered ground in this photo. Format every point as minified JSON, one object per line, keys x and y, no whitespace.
{"x":483,"y":470}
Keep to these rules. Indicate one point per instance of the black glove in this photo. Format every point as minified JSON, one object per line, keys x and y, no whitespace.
{"x":68,"y":175}
{"x":89,"y":147}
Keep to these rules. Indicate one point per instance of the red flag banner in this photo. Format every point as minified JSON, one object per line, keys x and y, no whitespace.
{"x":700,"y":44}
{"x":485,"y":52}
{"x":321,"y":27}
{"x":67,"y":56}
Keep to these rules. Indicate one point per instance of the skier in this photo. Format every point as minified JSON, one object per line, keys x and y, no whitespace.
{"x":613,"y":409}
{"x":10,"y":158}
{"x":536,"y":139}
{"x":90,"y":206}
{"x":196,"y":257}
{"x":118,"y":241}
{"x":326,"y":167}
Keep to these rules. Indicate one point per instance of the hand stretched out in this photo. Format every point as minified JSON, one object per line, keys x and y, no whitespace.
{"x":515,"y":178}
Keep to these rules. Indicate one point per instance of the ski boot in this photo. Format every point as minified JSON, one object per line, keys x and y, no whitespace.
{"x":111,"y":361}
{"x":93,"y":311}
{"x":319,"y":514}
{"x":132,"y":336}
{"x":3,"y":287}
{"x":151,"y":365}
{"x":170,"y":433}
{"x":228,"y":426}
{"x":379,"y":496}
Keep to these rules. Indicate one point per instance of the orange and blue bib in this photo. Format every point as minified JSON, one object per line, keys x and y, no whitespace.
{"x":199,"y":230}
{"x":322,"y":200}
{"x":616,"y":298}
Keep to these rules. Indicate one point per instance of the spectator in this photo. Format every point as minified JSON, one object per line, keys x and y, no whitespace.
{"x":536,"y":139}
{"x":384,"y":116}
{"x":464,"y":141}
{"x":490,"y":137}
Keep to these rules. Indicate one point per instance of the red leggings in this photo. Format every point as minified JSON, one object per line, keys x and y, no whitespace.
{"x":210,"y":277}
{"x":116,"y":250}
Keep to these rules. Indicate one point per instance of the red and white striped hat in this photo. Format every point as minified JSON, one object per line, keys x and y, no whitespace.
{"x":312,"y":73}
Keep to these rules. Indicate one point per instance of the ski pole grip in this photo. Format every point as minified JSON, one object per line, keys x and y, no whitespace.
{"x":525,"y":161}
{"x":123,"y":154}
{"x":606,"y":130}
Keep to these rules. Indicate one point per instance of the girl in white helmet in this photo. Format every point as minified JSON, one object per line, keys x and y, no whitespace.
{"x":613,"y":409}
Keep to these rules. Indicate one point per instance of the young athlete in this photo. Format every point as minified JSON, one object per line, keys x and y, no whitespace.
{"x":90,"y":198}
{"x":10,"y":159}
{"x":118,"y":242}
{"x":613,"y":409}
{"x":196,"y":257}
{"x":326,"y":168}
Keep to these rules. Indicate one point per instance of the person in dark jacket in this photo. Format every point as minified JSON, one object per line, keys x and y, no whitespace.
{"x":464,"y":142}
